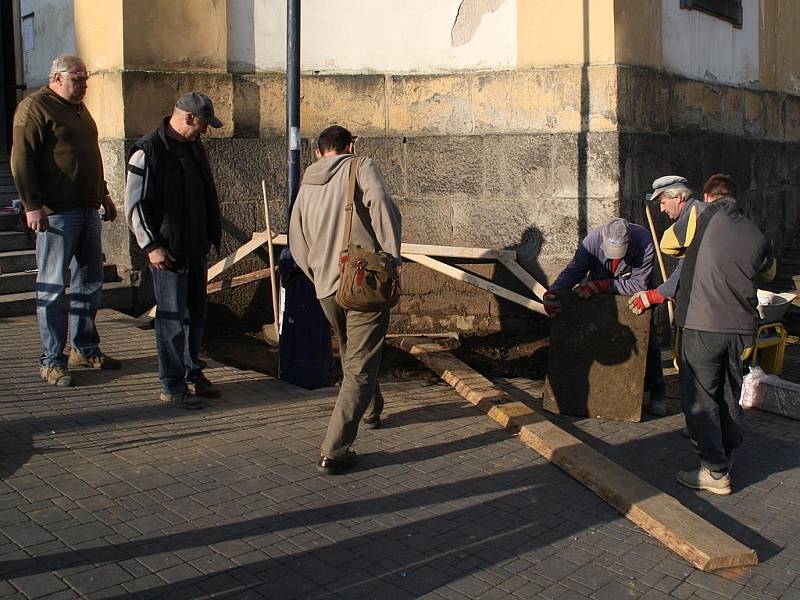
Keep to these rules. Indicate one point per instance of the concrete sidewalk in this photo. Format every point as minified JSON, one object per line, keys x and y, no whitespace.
{"x":107,"y":494}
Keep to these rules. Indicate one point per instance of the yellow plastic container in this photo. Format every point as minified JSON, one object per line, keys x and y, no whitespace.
{"x":769,"y":347}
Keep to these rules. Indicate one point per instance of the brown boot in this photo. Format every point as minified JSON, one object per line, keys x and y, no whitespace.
{"x":101,"y":361}
{"x":57,"y":376}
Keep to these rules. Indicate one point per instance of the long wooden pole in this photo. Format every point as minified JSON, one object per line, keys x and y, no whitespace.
{"x":273,"y":283}
{"x":660,"y":258}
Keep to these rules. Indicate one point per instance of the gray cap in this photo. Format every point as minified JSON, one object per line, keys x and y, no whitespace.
{"x":199,"y":104}
{"x":615,"y":238}
{"x":668,"y":182}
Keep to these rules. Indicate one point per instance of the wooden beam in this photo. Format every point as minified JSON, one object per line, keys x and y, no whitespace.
{"x":521,"y":274}
{"x":679,"y":529}
{"x":232,"y":282}
{"x":457,"y":252}
{"x":471,"y":279}
{"x":259,"y":239}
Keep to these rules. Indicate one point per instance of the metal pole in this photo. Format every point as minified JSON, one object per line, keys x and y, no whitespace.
{"x":292,"y":102}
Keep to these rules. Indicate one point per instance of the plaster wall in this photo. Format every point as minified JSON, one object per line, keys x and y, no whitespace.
{"x":779,"y":52}
{"x":700,"y":46}
{"x":53,"y":34}
{"x":364,"y":36}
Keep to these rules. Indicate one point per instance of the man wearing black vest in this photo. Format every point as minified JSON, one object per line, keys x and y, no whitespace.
{"x":172,"y":208}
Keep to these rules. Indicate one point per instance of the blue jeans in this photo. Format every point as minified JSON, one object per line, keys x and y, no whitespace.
{"x":72,"y":240}
{"x":181,"y":305}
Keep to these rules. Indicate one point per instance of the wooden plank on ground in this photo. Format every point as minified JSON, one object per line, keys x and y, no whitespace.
{"x":471,"y":279}
{"x":679,"y":529}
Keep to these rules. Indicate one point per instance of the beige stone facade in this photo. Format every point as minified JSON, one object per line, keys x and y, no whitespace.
{"x":564,"y":131}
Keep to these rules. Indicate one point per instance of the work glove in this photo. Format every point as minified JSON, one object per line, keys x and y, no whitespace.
{"x":641,"y":301}
{"x":552,"y":305}
{"x":590,"y":288}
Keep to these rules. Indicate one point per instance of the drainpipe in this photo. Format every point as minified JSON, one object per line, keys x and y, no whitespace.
{"x":292,"y":102}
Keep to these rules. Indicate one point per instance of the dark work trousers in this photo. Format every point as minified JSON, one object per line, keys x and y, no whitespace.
{"x":653,"y":375}
{"x":360,"y":336}
{"x":711,"y":382}
{"x":181,"y":305}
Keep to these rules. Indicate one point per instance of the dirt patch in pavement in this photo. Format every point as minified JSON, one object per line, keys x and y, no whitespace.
{"x":522,"y":354}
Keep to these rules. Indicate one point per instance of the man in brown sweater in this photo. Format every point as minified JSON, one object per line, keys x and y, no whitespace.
{"x":56,"y":164}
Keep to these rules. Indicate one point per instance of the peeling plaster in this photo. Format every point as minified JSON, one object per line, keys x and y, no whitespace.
{"x":468,"y":19}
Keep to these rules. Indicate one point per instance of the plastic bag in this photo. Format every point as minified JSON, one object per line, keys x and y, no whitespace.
{"x":750,"y":387}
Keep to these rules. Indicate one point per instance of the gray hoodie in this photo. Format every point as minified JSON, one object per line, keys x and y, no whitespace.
{"x":317,"y":225}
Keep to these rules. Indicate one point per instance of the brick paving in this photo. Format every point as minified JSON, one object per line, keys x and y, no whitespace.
{"x":104,"y":493}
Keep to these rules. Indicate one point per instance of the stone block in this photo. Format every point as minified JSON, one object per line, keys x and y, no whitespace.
{"x":388,"y":152}
{"x":240,"y":164}
{"x":445,"y":166}
{"x":694,"y":105}
{"x":154,"y":93}
{"x":272,"y":106}
{"x":246,"y":105}
{"x":791,"y":106}
{"x":429,"y":104}
{"x":426,"y":220}
{"x":357,"y":102}
{"x":519,"y":166}
{"x":602,"y":164}
{"x":772,"y":116}
{"x":535,"y":226}
{"x":596,"y":359}
{"x":586,"y":164}
{"x":732,"y":117}
{"x":643,"y":100}
{"x":530,"y":100}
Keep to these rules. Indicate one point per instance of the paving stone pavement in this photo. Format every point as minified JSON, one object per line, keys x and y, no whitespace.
{"x":104,"y":493}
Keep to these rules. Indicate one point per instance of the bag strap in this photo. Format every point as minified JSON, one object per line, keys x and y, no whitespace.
{"x":349,"y":208}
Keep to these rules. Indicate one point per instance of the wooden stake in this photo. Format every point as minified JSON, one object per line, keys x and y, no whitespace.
{"x":273,"y":283}
{"x":660,"y":257}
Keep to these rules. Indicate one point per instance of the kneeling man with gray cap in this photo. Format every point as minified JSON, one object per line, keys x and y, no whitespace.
{"x":615,"y":258}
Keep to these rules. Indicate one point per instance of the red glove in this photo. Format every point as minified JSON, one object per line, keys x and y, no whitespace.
{"x":552,"y":305}
{"x":641,"y":301}
{"x":590,"y":288}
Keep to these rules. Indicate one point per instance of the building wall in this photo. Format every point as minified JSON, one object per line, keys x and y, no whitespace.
{"x":505,"y":123}
{"x":363,"y":36}
{"x":54,"y":34}
{"x":700,"y":46}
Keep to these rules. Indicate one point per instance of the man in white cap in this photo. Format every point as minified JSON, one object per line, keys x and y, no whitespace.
{"x":615,"y":258}
{"x":172,"y":208}
{"x":675,"y":199}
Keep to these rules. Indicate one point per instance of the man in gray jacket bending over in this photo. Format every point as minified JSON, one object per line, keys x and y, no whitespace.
{"x":316,"y":234}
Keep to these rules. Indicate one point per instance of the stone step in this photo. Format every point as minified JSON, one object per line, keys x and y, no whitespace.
{"x":14,"y":283}
{"x":17,"y":261}
{"x":15,"y":240}
{"x":116,"y":295}
{"x":9,"y":221}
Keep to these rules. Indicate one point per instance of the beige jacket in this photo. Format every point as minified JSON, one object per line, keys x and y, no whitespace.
{"x":317,"y":224}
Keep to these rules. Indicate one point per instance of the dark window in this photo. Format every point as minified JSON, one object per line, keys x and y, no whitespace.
{"x":729,"y":10}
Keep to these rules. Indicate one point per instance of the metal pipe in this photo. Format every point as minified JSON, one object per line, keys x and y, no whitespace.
{"x":292,"y":102}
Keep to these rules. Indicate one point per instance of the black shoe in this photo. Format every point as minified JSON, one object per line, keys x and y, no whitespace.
{"x":372,"y":423}
{"x":335,"y":466}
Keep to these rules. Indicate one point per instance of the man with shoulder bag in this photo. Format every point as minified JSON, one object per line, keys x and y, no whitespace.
{"x":345,"y":236}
